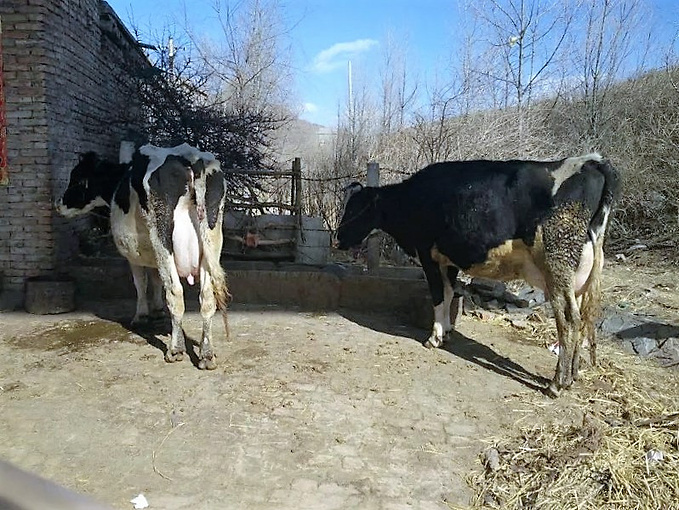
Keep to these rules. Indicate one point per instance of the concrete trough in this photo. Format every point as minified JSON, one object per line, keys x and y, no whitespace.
{"x":400,"y":291}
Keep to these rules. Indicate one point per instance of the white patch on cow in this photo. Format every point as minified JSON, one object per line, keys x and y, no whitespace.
{"x":131,"y":235}
{"x":73,"y":212}
{"x":584,"y":269}
{"x":126,"y":152}
{"x":158,"y":155}
{"x":570,"y":167}
{"x":600,"y":229}
{"x":185,"y":243}
{"x":448,"y":295}
{"x":436,"y":338}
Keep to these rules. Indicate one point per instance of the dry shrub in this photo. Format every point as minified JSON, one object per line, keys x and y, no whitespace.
{"x":623,"y":453}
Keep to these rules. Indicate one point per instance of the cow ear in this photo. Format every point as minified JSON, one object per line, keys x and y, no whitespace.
{"x":353,"y":187}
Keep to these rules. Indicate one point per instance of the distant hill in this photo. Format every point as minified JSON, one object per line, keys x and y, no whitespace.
{"x":300,"y":138}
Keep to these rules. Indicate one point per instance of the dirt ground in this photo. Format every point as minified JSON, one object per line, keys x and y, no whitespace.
{"x":305,"y":411}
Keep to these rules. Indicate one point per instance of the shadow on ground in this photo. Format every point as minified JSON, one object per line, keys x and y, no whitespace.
{"x":152,"y":331}
{"x":456,"y":344}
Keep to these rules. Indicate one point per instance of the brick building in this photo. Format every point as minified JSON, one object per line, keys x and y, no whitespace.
{"x":66,"y":91}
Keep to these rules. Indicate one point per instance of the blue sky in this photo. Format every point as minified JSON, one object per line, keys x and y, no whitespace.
{"x":325,"y":34}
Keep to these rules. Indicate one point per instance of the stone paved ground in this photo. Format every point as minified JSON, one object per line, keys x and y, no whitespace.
{"x":305,"y":411}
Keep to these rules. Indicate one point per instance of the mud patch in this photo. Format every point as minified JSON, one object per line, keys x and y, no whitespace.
{"x":74,"y":336}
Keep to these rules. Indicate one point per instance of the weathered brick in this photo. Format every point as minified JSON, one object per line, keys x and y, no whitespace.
{"x":59,"y":97}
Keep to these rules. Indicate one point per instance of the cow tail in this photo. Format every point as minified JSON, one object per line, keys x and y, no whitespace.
{"x":609,"y":194}
{"x":590,"y":307}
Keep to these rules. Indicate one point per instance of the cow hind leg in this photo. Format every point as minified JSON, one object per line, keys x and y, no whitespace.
{"x":157,"y":309}
{"x":567,"y":316}
{"x":564,"y":238}
{"x":432,"y":273}
{"x":208,"y":308}
{"x":140,"y":278}
{"x":174,"y":296}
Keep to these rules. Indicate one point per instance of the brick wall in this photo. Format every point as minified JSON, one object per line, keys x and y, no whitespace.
{"x":65,"y":94}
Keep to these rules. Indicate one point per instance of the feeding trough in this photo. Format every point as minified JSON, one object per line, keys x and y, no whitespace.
{"x":49,"y":294}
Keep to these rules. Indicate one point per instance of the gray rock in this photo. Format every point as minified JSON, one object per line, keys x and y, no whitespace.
{"x":487,"y":287}
{"x":518,"y":310}
{"x":627,"y":347}
{"x":668,"y":354}
{"x":515,"y":300}
{"x":644,"y":346}
{"x":493,"y":304}
{"x":615,"y":321}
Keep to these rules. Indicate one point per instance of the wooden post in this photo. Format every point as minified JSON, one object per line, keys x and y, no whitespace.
{"x":297,"y":185}
{"x":297,"y":195}
{"x":373,"y":179}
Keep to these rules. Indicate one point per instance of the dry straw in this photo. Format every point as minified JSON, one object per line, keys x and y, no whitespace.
{"x":615,"y":445}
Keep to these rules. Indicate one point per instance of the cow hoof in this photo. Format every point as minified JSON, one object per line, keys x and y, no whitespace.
{"x":158,"y":315}
{"x":433,"y":343}
{"x":552,"y":390}
{"x":208,"y":363}
{"x":171,"y":356}
{"x":139,"y":320}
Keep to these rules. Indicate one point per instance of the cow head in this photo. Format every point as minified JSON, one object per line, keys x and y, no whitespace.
{"x":360,"y":215}
{"x":91,"y":185}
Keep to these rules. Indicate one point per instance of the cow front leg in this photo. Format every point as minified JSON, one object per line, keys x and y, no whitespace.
{"x":435,"y":282}
{"x":157,"y":309}
{"x":140,"y":279}
{"x":450,"y":316}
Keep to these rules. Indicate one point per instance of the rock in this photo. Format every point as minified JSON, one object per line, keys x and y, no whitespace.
{"x":514,"y":309}
{"x":615,"y":321}
{"x":644,"y":346}
{"x":488,"y":287}
{"x":627,"y":347}
{"x":493,"y":304}
{"x":668,"y":354}
{"x":492,"y":459}
{"x":515,"y":300}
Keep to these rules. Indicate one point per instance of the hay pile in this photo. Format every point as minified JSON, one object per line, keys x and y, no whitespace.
{"x":618,"y":447}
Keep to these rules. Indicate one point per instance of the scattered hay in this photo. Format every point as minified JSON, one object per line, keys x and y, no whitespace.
{"x":618,"y":448}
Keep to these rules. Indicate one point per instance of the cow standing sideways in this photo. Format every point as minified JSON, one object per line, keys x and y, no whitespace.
{"x":167,"y":206}
{"x":543,"y":222}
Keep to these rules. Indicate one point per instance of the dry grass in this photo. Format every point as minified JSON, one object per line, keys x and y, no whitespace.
{"x":615,"y":445}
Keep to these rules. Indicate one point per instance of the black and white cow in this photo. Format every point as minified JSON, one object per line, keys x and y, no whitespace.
{"x":166,"y":211}
{"x":540,"y":221}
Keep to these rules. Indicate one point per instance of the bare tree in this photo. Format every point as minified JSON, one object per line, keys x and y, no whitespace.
{"x":609,"y":38}
{"x":523,"y":41}
{"x":397,"y":87}
{"x":250,"y":64}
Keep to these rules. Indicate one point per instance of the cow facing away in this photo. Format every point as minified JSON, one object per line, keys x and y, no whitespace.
{"x":540,"y":221}
{"x":166,"y":211}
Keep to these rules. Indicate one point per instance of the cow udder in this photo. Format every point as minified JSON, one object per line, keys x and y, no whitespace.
{"x":185,"y":240}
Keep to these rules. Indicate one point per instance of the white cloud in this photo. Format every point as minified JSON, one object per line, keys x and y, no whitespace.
{"x":310,"y":107}
{"x":338,"y":54}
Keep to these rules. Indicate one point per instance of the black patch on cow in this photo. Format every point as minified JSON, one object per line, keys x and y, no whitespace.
{"x":166,"y":184}
{"x":140,"y":165}
{"x":122,"y":196}
{"x":92,"y":178}
{"x":466,"y":208}
{"x":214,"y":195}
